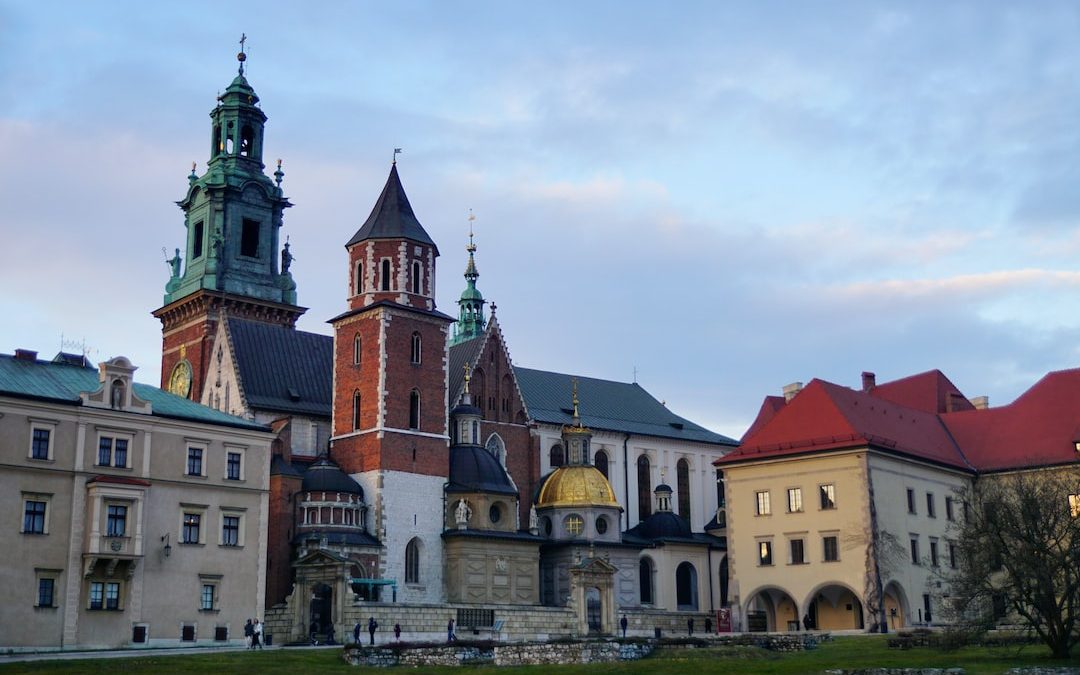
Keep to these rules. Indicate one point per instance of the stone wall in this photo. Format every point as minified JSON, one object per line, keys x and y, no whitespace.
{"x":897,"y":671}
{"x":518,"y":654}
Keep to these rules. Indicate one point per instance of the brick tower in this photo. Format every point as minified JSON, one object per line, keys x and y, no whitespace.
{"x":232,"y":214}
{"x":390,"y":382}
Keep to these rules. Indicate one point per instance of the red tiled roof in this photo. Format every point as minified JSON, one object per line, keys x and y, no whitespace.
{"x":909,"y":417}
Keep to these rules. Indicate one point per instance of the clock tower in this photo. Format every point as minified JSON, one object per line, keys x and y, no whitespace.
{"x":232,"y":216}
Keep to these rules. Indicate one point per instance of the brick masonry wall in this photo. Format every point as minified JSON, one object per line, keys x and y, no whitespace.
{"x":279,"y":550}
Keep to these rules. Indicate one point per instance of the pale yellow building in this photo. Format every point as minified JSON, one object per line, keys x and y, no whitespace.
{"x":140,"y":517}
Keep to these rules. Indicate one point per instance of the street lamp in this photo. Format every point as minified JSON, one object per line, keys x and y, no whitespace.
{"x":168,"y":546}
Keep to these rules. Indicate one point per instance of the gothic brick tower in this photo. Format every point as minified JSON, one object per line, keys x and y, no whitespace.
{"x":390,"y":391}
{"x":232,"y":214}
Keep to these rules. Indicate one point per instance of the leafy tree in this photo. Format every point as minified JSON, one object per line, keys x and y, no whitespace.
{"x":1019,"y":544}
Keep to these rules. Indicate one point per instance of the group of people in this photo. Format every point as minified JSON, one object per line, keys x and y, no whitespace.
{"x":373,"y":625}
{"x":253,"y":633}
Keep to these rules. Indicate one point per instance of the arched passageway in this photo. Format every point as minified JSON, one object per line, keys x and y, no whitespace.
{"x":834,"y":607}
{"x":771,"y":609}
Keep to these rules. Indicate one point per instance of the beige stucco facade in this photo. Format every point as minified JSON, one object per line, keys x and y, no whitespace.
{"x":99,"y":532}
{"x":835,"y":582}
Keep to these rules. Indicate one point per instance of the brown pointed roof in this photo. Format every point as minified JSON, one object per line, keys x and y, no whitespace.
{"x":392,"y":217}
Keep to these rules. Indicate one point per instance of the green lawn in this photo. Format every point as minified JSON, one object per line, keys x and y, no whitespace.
{"x":846,"y":652}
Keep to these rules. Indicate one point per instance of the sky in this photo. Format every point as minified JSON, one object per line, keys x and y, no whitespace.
{"x":715,"y":198}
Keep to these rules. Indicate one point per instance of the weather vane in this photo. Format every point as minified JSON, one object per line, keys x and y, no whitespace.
{"x":471,"y":247}
{"x":241,"y":57}
{"x":397,"y":151}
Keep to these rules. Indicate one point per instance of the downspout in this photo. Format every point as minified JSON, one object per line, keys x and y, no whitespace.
{"x":883,"y":625}
{"x":712,"y":607}
{"x":626,"y":478}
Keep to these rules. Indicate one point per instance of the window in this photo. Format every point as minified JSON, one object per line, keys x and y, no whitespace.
{"x":385,"y":281}
{"x":41,"y":442}
{"x":794,"y":500}
{"x":600,"y":461}
{"x":1074,"y":505}
{"x":232,"y":466}
{"x":644,"y":488}
{"x":574,"y":525}
{"x":194,"y":461}
{"x":356,"y":410}
{"x":827,"y":493}
{"x":412,"y":562}
{"x":682,"y":482}
{"x":930,"y":511}
{"x":601,"y":525}
{"x":414,"y":409}
{"x":105,"y":595}
{"x":230,"y":530}
{"x":953,"y":562}
{"x":645,"y":574}
{"x":116,"y":521}
{"x":494,"y":513}
{"x":762,"y":506}
{"x":414,"y":351}
{"x":190,"y":534}
{"x":46,"y":594}
{"x":555,"y":456}
{"x":356,"y":344}
{"x":721,"y":499}
{"x":926,"y":607}
{"x":359,"y":281}
{"x":949,"y":515}
{"x":933,"y":552}
{"x":910,"y":501}
{"x":764,"y":552}
{"x":207,"y":599}
{"x":34,"y":517}
{"x":416,"y":278}
{"x":249,"y":238}
{"x":798,"y":556}
{"x":830,"y":545}
{"x":112,"y":451}
{"x":915,"y":549}
{"x":196,"y":241}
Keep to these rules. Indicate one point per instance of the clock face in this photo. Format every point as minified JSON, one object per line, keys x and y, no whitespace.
{"x":180,"y":379}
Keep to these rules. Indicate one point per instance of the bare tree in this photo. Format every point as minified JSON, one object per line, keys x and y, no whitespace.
{"x":1019,"y":544}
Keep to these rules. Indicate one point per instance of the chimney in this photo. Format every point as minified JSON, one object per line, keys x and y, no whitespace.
{"x":981,"y":402}
{"x":869,"y":380}
{"x":25,"y":355}
{"x":790,"y":390}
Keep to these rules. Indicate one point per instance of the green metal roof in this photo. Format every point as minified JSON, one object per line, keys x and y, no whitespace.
{"x":607,"y":405}
{"x":63,"y":382}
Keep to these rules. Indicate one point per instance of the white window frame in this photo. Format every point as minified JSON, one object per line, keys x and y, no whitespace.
{"x":824,"y":535}
{"x":214,"y":581}
{"x":113,"y":435}
{"x":105,"y":583}
{"x":44,"y":425}
{"x":821,"y":489}
{"x":41,"y":573}
{"x":763,"y":542}
{"x":795,"y":492}
{"x":190,"y":444}
{"x":35,"y":497}
{"x":790,"y":558}
{"x":239,"y":450}
{"x":762,"y":507}
{"x":193,"y":509}
{"x":239,"y":513}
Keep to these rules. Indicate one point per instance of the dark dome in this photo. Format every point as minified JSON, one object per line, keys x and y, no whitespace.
{"x":663,"y":487}
{"x":664,"y":524}
{"x":466,"y":409}
{"x":325,"y":476}
{"x":475,"y":469}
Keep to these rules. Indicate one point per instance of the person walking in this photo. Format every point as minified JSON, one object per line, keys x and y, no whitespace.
{"x":622,"y":624}
{"x":690,"y":626}
{"x":397,"y":632}
{"x":249,"y":631}
{"x":256,"y":635}
{"x":372,"y":624}
{"x":708,"y":624}
{"x":356,"y":633}
{"x":450,"y":637}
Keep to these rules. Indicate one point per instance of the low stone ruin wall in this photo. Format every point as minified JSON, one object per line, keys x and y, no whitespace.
{"x":498,"y":654}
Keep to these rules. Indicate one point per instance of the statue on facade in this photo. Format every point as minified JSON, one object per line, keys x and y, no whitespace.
{"x":534,"y":522}
{"x":286,"y":258}
{"x":462,"y":514}
{"x":174,"y":263}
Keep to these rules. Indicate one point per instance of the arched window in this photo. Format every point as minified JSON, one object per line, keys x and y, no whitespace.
{"x":356,"y":410}
{"x":644,"y":488}
{"x":475,"y":432}
{"x":414,"y":409}
{"x":645,"y":581}
{"x":414,"y":351}
{"x":600,"y":461}
{"x":385,"y":274}
{"x":686,"y":587}
{"x":556,"y":456}
{"x":682,"y":471}
{"x":507,"y":390}
{"x":359,"y":281}
{"x":497,"y":448}
{"x":477,"y":385}
{"x":412,"y":561}
{"x":356,"y":349}
{"x":247,"y":141}
{"x":416,"y":279}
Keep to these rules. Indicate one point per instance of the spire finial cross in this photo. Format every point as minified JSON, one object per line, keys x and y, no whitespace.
{"x":241,"y":57}
{"x":471,"y":247}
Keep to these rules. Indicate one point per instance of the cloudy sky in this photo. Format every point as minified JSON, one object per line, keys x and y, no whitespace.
{"x":727,"y":197}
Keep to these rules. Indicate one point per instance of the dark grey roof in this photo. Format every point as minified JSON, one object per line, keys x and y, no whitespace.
{"x":392,"y":217}
{"x":62,"y":382}
{"x":494,"y":534}
{"x":325,"y":476}
{"x":279,"y":467}
{"x":460,"y":354}
{"x":283,"y":369}
{"x":637,"y":537}
{"x":354,"y":538}
{"x":393,"y":305}
{"x":662,"y":524}
{"x":607,"y":405}
{"x":474,"y":469}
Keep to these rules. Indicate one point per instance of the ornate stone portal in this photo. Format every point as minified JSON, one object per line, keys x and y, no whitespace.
{"x":592,"y":596}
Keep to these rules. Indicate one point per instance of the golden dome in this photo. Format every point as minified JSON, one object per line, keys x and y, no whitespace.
{"x":579,"y":485}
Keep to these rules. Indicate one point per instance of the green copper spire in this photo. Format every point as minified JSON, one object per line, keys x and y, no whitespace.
{"x":234,"y":211}
{"x":470,"y":321}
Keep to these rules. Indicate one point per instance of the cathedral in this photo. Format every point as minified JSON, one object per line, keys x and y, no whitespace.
{"x":414,"y":463}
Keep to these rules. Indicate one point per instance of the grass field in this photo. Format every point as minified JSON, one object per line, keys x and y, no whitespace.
{"x":842,"y":652}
